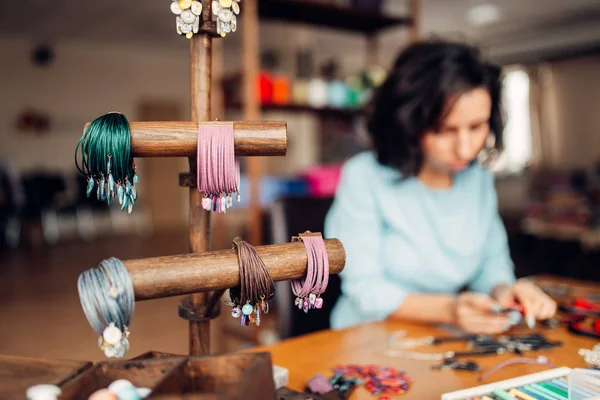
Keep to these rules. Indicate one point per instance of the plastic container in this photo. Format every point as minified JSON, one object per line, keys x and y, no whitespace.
{"x":584,"y":384}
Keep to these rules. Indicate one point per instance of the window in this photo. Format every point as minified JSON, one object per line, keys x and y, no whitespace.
{"x":517,"y":132}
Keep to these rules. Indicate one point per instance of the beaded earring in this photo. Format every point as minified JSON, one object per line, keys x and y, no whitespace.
{"x":188,"y":16}
{"x":226,"y":11}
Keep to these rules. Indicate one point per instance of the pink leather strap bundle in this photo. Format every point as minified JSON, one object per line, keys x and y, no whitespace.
{"x":218,"y":170}
{"x":308,"y":290}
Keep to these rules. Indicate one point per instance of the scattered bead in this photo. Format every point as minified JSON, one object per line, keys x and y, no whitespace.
{"x":43,"y":392}
{"x":377,"y":379}
{"x":103,"y":394}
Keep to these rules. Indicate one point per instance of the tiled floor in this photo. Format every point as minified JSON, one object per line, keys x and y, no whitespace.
{"x":40,"y":313}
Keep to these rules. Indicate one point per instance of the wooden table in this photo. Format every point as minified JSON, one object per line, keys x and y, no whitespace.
{"x":366,"y":344}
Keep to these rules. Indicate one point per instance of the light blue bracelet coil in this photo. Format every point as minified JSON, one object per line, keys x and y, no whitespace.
{"x":107,"y":298}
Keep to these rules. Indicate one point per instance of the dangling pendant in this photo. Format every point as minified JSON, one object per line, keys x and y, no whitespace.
{"x":101,"y":189}
{"x":90,"y":186}
{"x":305,"y":306}
{"x":125,"y":201}
{"x":257,"y":317}
{"x":120,"y":193}
{"x":236,"y":312}
{"x":247,"y":309}
{"x":264,"y":305}
{"x":311,"y":299}
{"x":319,"y":303}
{"x":127,"y":186}
{"x":130,"y":204}
{"x":243,"y":319}
{"x":111,"y":184}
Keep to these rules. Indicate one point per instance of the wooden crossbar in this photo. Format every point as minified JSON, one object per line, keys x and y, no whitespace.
{"x":159,"y":277}
{"x":180,"y":138}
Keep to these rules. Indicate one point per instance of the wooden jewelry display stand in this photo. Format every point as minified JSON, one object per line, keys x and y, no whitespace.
{"x":201,"y":272}
{"x":203,"y":275}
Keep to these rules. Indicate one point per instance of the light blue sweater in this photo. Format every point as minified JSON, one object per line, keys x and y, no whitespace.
{"x":403,"y":237}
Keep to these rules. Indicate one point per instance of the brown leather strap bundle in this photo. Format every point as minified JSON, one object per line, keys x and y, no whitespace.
{"x":256,"y":285}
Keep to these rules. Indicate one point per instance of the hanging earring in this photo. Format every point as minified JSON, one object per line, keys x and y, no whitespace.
{"x":188,"y":16}
{"x":226,"y":12}
{"x":489,"y":153}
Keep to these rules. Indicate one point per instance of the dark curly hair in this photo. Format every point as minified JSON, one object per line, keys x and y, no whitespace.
{"x":414,"y":97}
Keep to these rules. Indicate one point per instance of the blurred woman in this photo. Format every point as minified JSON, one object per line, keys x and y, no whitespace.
{"x":418,"y":216}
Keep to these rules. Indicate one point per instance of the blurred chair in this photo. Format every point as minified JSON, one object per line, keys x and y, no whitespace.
{"x":290,"y":216}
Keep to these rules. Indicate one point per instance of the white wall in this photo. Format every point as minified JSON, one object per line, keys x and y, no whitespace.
{"x":576,"y":85}
{"x":82,"y":83}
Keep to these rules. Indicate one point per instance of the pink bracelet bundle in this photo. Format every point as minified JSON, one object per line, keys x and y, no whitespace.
{"x":218,"y":170}
{"x":308,"y":290}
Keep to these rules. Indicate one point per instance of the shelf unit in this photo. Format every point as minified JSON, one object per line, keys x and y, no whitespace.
{"x":328,"y":15}
{"x":314,"y":13}
{"x":301,"y":108}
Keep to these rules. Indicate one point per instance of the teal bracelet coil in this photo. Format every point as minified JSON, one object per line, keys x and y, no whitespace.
{"x":103,"y":155}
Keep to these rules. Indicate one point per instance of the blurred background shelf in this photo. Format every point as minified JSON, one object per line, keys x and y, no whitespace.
{"x":329,"y":15}
{"x":300,"y":108}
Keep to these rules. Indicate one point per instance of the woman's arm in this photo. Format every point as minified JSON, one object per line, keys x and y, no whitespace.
{"x":428,"y":308}
{"x":472,"y":312}
{"x":497,"y":268}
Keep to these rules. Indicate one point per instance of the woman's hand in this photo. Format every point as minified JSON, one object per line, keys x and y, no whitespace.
{"x":536,"y":303}
{"x":474,"y":314}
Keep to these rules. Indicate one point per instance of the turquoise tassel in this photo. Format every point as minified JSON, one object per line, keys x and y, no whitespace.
{"x":133,"y":193}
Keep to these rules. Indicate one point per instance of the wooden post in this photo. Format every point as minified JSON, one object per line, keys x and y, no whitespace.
{"x":200,"y":84}
{"x":415,"y":16}
{"x":372,"y":50}
{"x":250,"y":57}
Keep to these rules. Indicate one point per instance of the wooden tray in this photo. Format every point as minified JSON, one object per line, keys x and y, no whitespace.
{"x":19,"y":373}
{"x":154,"y":355}
{"x":236,"y":376}
{"x":142,"y":373}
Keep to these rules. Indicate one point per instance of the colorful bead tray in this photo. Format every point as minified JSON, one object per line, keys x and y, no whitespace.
{"x":555,"y":384}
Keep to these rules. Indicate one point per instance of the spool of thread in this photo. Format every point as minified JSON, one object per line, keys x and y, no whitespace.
{"x":281,"y":90}
{"x":337,"y":94}
{"x":300,"y":92}
{"x":43,"y":392}
{"x":317,"y":93}
{"x":265,"y":88}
